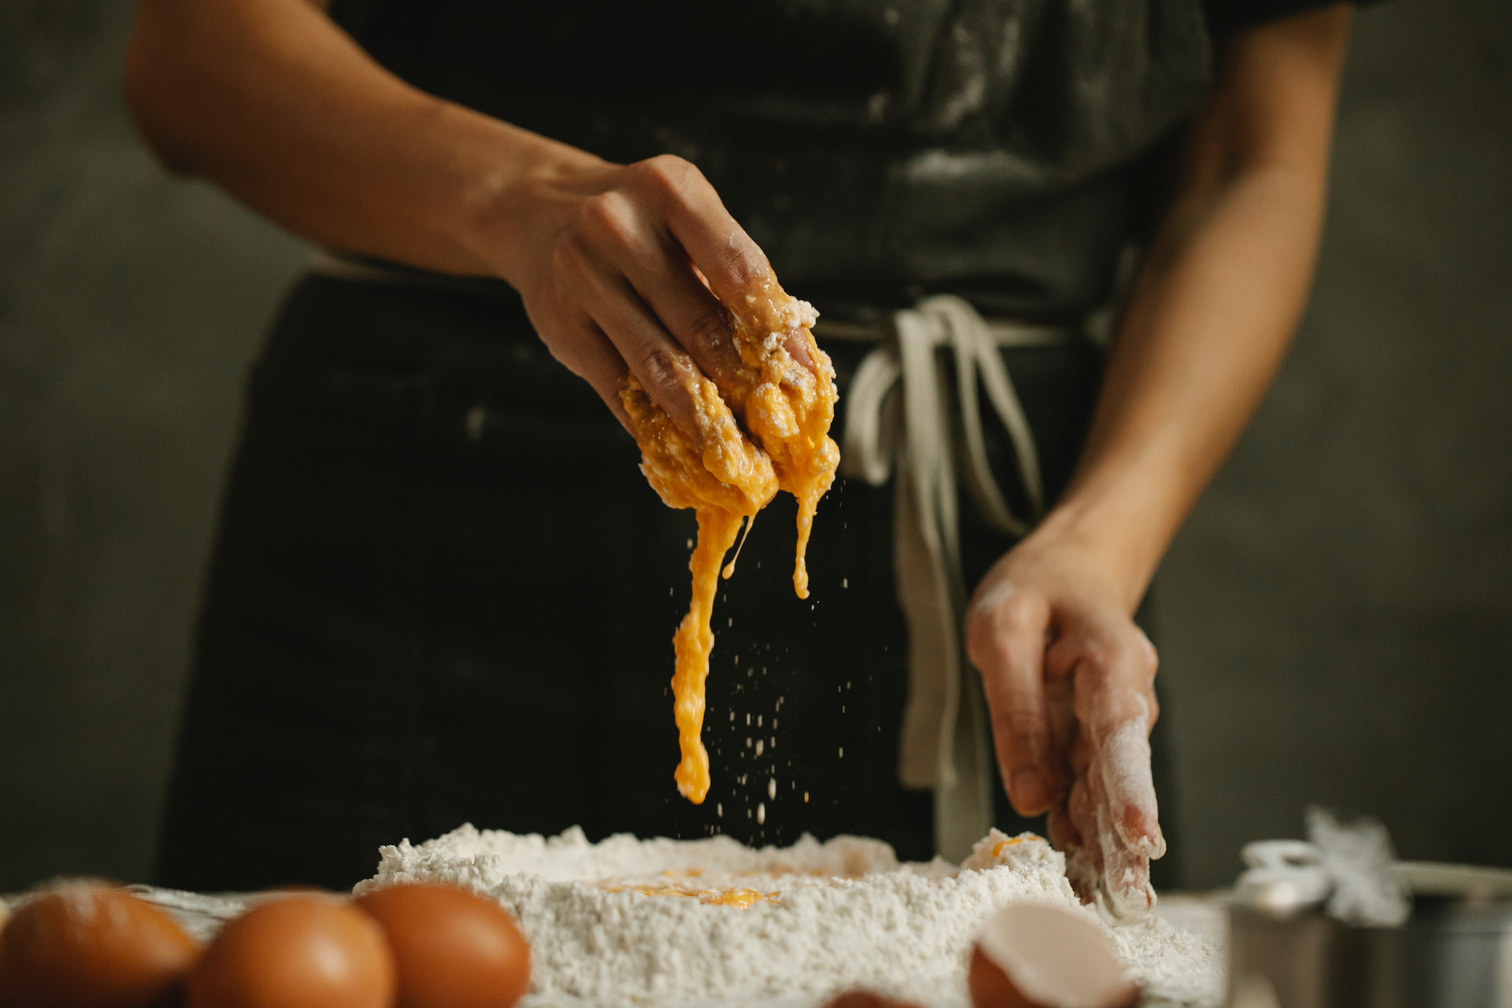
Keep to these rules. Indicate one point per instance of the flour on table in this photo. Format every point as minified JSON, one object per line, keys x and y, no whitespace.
{"x":629,"y":921}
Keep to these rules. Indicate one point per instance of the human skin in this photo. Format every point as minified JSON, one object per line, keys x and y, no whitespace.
{"x":616,"y":265}
{"x":247,"y":94}
{"x":1210,"y":316}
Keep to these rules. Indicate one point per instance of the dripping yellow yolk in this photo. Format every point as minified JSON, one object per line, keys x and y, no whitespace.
{"x":765,"y":427}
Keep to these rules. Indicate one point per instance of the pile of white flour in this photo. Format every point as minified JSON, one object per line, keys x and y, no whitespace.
{"x":629,"y":921}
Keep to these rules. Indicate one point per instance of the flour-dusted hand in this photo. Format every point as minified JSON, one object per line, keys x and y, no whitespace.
{"x":1069,"y":681}
{"x":1109,"y":826}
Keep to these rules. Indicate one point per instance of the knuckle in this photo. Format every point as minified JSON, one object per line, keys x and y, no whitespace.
{"x":1120,"y":653}
{"x":1017,"y":614}
{"x":1150,"y":655}
{"x":711,"y":326}
{"x":561,"y":354}
{"x":1133,"y":651}
{"x":666,"y":173}
{"x":991,"y":631}
{"x":744,"y":261}
{"x":1018,"y":723}
{"x":609,"y":216}
{"x":661,"y":365}
{"x":986,"y":645}
{"x":1149,"y":662}
{"x":567,"y":259}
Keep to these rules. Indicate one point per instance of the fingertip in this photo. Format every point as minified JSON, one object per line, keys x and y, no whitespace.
{"x":1139,"y":828}
{"x":798,"y":350}
{"x":1029,"y":792}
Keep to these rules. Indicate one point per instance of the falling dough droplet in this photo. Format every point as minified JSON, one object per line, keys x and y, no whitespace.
{"x":761,"y":812}
{"x":729,"y":570}
{"x":772,"y":788}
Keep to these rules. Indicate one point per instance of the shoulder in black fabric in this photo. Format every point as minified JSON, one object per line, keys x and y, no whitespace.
{"x":1078,"y":80}
{"x":1064,"y":89}
{"x":1227,"y":17}
{"x":906,"y":142}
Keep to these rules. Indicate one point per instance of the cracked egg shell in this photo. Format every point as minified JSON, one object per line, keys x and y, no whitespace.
{"x":1034,"y":955}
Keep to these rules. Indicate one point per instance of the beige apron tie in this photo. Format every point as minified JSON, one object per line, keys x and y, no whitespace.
{"x":899,"y":419}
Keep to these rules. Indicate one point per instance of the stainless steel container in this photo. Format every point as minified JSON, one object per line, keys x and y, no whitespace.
{"x":1454,"y":951}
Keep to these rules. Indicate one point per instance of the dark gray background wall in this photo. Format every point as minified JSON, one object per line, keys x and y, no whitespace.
{"x":1336,"y":617}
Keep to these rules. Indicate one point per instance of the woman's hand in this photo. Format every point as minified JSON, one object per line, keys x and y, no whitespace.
{"x":1069,"y":683}
{"x":619,"y":267}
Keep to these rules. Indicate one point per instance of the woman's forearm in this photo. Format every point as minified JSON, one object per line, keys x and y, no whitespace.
{"x":272,"y":101}
{"x":623,"y":270}
{"x":1217,"y":300}
{"x":1201,"y":340}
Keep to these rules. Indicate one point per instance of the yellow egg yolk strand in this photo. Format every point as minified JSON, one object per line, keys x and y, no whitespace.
{"x":726,"y":473}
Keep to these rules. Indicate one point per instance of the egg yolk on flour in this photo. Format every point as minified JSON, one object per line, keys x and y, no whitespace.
{"x":740,"y":898}
{"x":765,"y":428}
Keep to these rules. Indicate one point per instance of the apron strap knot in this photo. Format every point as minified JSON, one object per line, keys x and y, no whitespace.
{"x":900,"y":423}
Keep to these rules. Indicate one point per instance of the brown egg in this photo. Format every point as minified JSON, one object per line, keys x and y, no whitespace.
{"x":295,"y":952}
{"x":92,"y":946}
{"x":454,"y":948}
{"x":1033,"y":955}
{"x":868,"y":999}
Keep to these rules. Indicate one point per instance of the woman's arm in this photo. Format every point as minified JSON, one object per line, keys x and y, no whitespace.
{"x":271,"y":100}
{"x":1065,"y":670}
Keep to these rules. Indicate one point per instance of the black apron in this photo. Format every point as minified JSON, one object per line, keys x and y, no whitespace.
{"x":418,"y":613}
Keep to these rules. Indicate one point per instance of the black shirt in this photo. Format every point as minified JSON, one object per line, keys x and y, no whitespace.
{"x":877,"y":150}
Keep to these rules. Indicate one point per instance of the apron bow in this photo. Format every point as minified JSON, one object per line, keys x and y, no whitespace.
{"x":899,"y":420}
